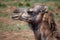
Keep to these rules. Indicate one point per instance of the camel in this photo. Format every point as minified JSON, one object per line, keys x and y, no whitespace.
{"x":40,"y":21}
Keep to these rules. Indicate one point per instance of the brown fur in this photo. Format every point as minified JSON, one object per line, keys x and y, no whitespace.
{"x":47,"y":27}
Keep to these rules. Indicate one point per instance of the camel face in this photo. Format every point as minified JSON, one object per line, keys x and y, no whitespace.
{"x":33,"y":14}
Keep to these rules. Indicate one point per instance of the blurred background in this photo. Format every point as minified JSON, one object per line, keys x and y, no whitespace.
{"x":19,"y":30}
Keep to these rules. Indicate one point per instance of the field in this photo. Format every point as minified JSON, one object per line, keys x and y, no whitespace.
{"x":18,"y":30}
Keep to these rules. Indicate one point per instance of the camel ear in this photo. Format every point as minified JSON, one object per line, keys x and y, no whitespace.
{"x":51,"y":21}
{"x":45,"y":9}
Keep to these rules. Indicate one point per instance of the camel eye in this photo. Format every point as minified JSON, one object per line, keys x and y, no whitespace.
{"x":30,"y":12}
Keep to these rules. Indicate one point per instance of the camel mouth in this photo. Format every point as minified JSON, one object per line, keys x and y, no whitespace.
{"x":25,"y":19}
{"x":15,"y":17}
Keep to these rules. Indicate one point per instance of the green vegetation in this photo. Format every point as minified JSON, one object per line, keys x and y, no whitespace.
{"x":3,"y":5}
{"x":24,"y":2}
{"x":13,"y":27}
{"x":4,"y":15}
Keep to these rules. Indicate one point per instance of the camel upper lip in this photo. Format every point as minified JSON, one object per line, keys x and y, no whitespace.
{"x":14,"y":17}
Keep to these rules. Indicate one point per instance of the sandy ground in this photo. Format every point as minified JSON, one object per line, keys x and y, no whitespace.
{"x":21,"y":35}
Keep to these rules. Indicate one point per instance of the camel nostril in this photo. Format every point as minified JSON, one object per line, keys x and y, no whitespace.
{"x":12,"y":17}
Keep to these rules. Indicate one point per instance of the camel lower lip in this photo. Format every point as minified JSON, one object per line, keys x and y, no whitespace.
{"x":22,"y":19}
{"x":14,"y":18}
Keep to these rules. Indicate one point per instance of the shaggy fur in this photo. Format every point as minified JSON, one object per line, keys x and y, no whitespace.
{"x":47,"y":27}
